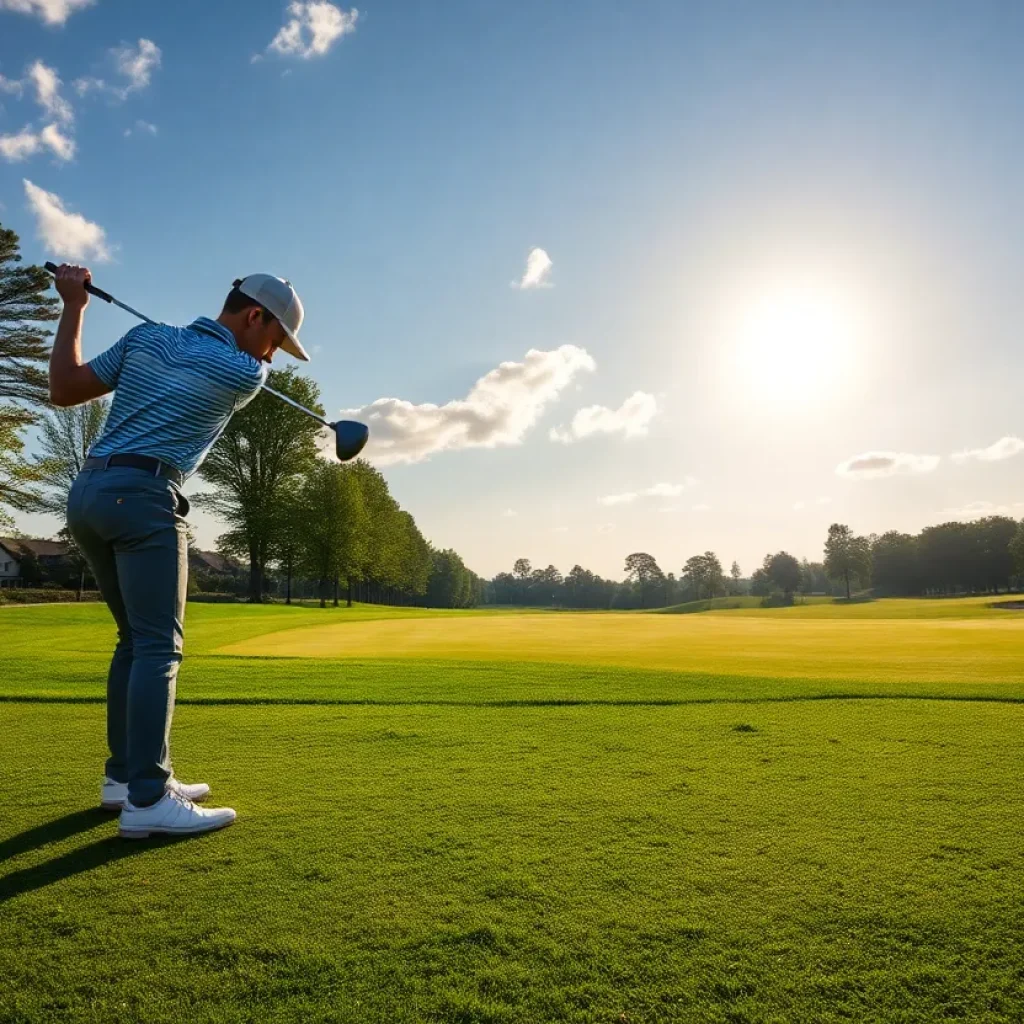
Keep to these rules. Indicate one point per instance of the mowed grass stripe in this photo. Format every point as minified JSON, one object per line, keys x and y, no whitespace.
{"x":818,"y":862}
{"x":215,"y":679}
{"x":964,"y":651}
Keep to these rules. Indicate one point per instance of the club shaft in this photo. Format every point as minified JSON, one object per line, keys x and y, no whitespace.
{"x":128,"y":309}
{"x":295,"y":405}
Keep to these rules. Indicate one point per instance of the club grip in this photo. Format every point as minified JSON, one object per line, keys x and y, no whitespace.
{"x":90,"y":288}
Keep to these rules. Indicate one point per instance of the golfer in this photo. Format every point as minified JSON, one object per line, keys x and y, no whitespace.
{"x":175,"y":389}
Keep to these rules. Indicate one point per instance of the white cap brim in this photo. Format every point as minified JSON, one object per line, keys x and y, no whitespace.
{"x":292,"y":346}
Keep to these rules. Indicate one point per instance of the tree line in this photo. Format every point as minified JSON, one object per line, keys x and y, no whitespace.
{"x":984,"y":556}
{"x":290,"y":513}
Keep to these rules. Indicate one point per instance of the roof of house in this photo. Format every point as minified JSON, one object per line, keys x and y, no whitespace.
{"x":18,"y":546}
{"x":213,"y":561}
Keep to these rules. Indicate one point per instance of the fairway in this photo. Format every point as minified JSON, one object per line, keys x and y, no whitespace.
{"x":873,"y":642}
{"x":487,"y":818}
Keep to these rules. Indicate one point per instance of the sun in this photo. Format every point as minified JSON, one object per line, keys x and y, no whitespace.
{"x":793,"y":343}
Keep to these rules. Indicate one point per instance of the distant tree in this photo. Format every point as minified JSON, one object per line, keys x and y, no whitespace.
{"x":760,"y":583}
{"x":895,"y":564}
{"x":783,"y":570}
{"x":645,"y":573}
{"x":1016,"y":548}
{"x":522,"y":571}
{"x":736,"y":574}
{"x":846,"y":555}
{"x":695,"y":575}
{"x":546,"y":585}
{"x":329,"y":522}
{"x":24,"y":351}
{"x":65,"y":438}
{"x":258,"y":460}
{"x":503,"y":588}
{"x":991,"y":538}
{"x":945,"y":557}
{"x":714,"y":576}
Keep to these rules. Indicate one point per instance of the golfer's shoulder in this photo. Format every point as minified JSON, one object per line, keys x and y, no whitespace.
{"x":223,"y":362}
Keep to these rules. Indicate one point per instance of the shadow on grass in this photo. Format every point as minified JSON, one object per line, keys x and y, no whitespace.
{"x":103,"y":851}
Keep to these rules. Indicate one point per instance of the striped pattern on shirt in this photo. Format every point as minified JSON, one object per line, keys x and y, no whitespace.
{"x":175,"y":388}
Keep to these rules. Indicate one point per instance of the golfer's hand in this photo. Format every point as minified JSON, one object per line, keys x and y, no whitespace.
{"x":71,"y":282}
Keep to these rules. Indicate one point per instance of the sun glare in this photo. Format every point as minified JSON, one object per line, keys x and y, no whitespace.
{"x":793,"y":344}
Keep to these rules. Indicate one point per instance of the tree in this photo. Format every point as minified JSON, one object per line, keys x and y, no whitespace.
{"x":846,"y":555}
{"x":993,"y":562}
{"x":945,"y":557}
{"x":258,"y":459}
{"x":1016,"y":548}
{"x":329,"y":524}
{"x":715,"y":577}
{"x":451,"y":585}
{"x":895,"y":564}
{"x":760,"y":584}
{"x":783,"y":570}
{"x":65,"y":438}
{"x":695,"y":574}
{"x":23,"y":380}
{"x":736,"y":574}
{"x":644,"y":571}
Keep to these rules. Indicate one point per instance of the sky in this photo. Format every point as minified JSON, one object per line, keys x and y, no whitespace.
{"x":601,"y":277}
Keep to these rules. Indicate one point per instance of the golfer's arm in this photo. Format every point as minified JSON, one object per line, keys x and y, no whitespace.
{"x":71,"y":381}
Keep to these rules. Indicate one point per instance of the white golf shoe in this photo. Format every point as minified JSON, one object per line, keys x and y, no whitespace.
{"x":172,"y":815}
{"x":114,"y":795}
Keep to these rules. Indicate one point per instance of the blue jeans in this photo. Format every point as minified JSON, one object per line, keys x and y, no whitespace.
{"x":130,"y":525}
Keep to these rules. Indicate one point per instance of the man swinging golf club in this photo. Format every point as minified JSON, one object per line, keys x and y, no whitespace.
{"x":175,"y":389}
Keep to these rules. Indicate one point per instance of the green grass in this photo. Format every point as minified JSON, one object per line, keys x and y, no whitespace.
{"x":540,"y":838}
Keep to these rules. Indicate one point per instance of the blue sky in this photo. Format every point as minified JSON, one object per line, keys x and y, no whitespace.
{"x":793,"y":228}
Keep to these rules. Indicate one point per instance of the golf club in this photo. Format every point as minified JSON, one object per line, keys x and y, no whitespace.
{"x":350,"y":436}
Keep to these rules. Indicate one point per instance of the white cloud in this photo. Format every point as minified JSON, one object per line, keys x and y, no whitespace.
{"x":662,"y":490}
{"x":874,"y":465}
{"x":604,"y":528}
{"x":701,"y":508}
{"x":47,"y":85}
{"x":313,"y":29}
{"x":145,"y":128}
{"x":134,"y":64}
{"x":51,"y":12}
{"x":980,"y":509}
{"x":137,"y":65}
{"x":1004,"y":448}
{"x":509,"y":513}
{"x":14,"y":148}
{"x":559,"y":529}
{"x":538,"y":265}
{"x":66,"y":234}
{"x":11,"y":86}
{"x":631,"y":419}
{"x":62,"y":146}
{"x":499,"y":409}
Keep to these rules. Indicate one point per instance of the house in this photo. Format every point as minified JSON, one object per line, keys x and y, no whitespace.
{"x":50,"y":556}
{"x":211,"y":562}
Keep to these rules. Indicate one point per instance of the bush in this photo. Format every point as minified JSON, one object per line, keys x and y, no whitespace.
{"x":49,"y":595}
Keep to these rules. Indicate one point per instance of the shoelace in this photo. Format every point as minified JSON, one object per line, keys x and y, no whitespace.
{"x":186,"y":804}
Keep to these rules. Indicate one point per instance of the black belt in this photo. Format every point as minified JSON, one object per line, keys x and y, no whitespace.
{"x":151,"y":465}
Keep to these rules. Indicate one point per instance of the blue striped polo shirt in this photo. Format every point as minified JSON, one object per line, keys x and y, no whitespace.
{"x":175,"y":388}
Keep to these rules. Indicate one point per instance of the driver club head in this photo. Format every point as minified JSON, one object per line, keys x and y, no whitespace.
{"x":351,"y":438}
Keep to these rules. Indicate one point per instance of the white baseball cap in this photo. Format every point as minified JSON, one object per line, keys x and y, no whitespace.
{"x":280,"y":299}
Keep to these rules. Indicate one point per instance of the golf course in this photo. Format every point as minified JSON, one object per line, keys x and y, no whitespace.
{"x":747,"y":815}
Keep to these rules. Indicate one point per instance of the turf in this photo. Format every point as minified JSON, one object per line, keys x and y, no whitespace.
{"x":531,"y":840}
